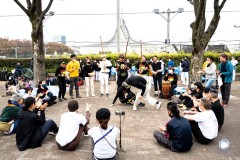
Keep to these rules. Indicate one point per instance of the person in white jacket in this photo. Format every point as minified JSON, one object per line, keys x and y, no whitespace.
{"x":210,"y":72}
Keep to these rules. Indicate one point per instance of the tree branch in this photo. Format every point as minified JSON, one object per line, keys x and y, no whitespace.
{"x":33,"y":6}
{"x":29,"y":5}
{"x":22,"y":7}
{"x":43,"y":14}
{"x":222,"y":4}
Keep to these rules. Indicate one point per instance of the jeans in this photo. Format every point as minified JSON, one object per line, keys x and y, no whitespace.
{"x":49,"y":126}
{"x":74,"y":82}
{"x":209,"y":82}
{"x":157,"y":80}
{"x":62,"y":89}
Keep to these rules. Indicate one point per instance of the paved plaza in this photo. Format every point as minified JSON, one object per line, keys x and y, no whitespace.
{"x":137,"y":132}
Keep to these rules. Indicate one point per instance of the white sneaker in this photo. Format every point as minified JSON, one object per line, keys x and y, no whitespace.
{"x":134,"y":108}
{"x":159,"y":105}
{"x":93,"y":95}
{"x":87,"y":95}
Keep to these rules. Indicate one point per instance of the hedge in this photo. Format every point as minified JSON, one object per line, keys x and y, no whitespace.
{"x":52,"y":63}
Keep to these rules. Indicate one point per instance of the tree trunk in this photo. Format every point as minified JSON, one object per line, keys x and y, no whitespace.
{"x":196,"y":66}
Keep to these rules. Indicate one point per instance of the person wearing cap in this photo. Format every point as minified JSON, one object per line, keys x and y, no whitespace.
{"x":105,"y":66}
{"x":122,"y":70}
{"x":32,"y":125}
{"x":225,"y":71}
{"x":140,"y":83}
{"x":177,"y":133}
{"x":61,"y":77}
{"x":9,"y":114}
{"x":125,"y":95}
{"x":73,"y":68}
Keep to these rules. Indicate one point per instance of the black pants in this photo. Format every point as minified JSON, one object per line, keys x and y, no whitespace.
{"x":198,"y":134}
{"x":62,"y":89}
{"x":130,"y":97}
{"x":225,"y":91}
{"x":173,"y":86}
{"x":120,"y":80}
{"x":187,"y":101}
{"x":157,"y":80}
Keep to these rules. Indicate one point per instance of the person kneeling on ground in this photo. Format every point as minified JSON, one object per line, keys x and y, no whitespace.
{"x":177,"y":134}
{"x":32,"y":126}
{"x":125,"y":95}
{"x":204,"y":124}
{"x":104,"y":136}
{"x":172,"y":78}
{"x":72,"y":126}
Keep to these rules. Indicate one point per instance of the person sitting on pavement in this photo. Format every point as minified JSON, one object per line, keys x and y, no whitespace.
{"x":45,"y":94}
{"x":104,"y":136}
{"x":204,"y":124}
{"x":195,"y":92}
{"x":217,"y":108}
{"x":9,"y":115}
{"x":28,"y":92}
{"x":177,"y":134}
{"x":140,"y":83}
{"x":125,"y":95}
{"x":206,"y":93}
{"x":72,"y":126}
{"x":172,"y":78}
{"x":17,"y":100}
{"x":11,"y":90}
{"x":33,"y":126}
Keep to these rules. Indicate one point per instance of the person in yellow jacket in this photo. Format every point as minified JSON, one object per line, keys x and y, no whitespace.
{"x":73,"y":68}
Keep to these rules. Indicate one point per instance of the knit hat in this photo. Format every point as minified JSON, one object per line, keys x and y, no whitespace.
{"x":125,"y":85}
{"x":16,"y":98}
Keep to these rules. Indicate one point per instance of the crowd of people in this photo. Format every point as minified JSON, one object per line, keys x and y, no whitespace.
{"x":203,"y":114}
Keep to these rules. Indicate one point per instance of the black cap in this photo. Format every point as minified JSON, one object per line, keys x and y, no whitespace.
{"x":73,"y":55}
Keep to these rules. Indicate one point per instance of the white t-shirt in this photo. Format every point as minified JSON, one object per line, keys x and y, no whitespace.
{"x":69,"y":126}
{"x":208,"y":124}
{"x":26,"y":96}
{"x":102,"y":149}
{"x":104,"y":64}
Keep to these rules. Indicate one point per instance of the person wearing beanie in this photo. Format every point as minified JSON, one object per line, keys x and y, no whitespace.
{"x":225,"y":71}
{"x":33,"y":126}
{"x":104,"y":136}
{"x":73,"y":68}
{"x":177,"y":133}
{"x":61,"y":77}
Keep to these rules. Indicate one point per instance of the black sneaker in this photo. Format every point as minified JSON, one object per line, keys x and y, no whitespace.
{"x":141,"y":104}
{"x":78,"y":97}
{"x":107,"y":95}
{"x":64,"y":98}
{"x":101,"y":95}
{"x":60,"y":100}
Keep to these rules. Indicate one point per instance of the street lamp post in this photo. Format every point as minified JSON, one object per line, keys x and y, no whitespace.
{"x":168,"y":19}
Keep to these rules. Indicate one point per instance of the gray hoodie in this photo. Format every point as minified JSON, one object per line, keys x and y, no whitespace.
{"x":210,"y":71}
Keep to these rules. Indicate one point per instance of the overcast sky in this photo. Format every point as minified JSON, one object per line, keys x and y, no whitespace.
{"x":145,"y":27}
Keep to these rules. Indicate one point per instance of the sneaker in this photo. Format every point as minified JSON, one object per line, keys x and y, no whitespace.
{"x":87,"y":95}
{"x":72,"y":97}
{"x":64,"y":98}
{"x":60,"y":100}
{"x":78,"y":97}
{"x":134,"y":108}
{"x":54,"y":102}
{"x":85,"y":134}
{"x":101,"y":95}
{"x":159,"y":105}
{"x":52,"y":133}
{"x":141,"y":104}
{"x":93,"y":95}
{"x":107,"y":95}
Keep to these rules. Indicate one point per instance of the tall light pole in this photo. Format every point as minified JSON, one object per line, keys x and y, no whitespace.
{"x":168,"y":19}
{"x":238,"y":27}
{"x":16,"y":51}
{"x":118,"y":26}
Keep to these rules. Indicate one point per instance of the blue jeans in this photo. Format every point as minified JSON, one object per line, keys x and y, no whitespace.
{"x":49,"y":126}
{"x":209,"y":83}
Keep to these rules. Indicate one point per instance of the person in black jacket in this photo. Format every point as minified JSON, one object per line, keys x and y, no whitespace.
{"x":122,"y":70}
{"x":61,"y":76}
{"x":89,"y":74}
{"x":157,"y":69}
{"x":125,"y":95}
{"x":185,"y":69}
{"x":140,"y":83}
{"x":33,"y":128}
{"x":172,"y":78}
{"x":177,"y":134}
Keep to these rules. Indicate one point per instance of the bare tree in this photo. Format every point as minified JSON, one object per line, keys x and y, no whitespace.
{"x":202,"y":35}
{"x":36,"y":15}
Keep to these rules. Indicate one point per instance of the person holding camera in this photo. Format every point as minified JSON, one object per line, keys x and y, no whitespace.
{"x":140,"y":83}
{"x":177,"y":134}
{"x":104,"y":136}
{"x":125,"y":95}
{"x":32,"y":125}
{"x":72,"y":126}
